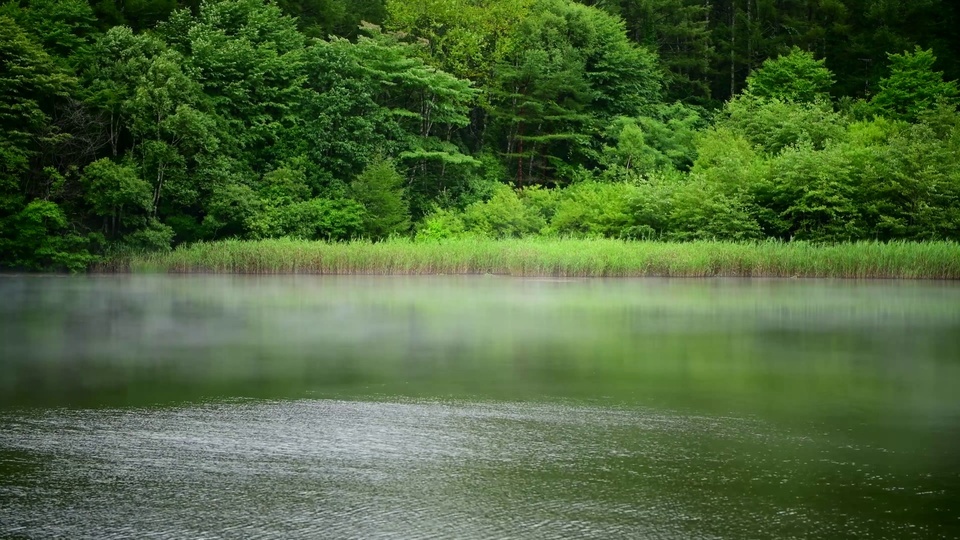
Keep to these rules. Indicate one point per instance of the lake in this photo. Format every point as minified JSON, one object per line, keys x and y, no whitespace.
{"x":477,"y":407}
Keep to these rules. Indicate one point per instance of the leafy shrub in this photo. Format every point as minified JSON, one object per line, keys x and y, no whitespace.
{"x":816,"y":195}
{"x":314,"y":219}
{"x":704,"y":210}
{"x":773,"y":124}
{"x":594,"y":209}
{"x":503,"y":216}
{"x":39,"y":237}
{"x":154,"y":236}
{"x":727,"y":158}
{"x":439,"y":224}
{"x":650,"y":205}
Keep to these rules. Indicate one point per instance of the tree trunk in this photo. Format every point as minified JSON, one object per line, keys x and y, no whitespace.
{"x":733,"y":48}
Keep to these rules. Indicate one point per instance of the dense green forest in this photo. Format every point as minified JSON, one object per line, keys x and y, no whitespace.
{"x":143,"y":124}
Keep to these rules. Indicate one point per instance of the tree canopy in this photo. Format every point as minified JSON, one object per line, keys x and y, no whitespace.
{"x":146,"y":124}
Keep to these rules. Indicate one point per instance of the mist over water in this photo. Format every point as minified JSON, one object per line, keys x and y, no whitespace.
{"x":477,"y":407}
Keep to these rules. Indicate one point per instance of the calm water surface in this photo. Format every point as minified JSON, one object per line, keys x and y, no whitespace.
{"x":478,"y":407}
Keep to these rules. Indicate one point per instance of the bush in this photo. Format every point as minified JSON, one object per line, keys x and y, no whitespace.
{"x":439,"y":224}
{"x":650,"y":205}
{"x":815,"y":193}
{"x":594,"y":209}
{"x":704,"y":210}
{"x":315,"y":219}
{"x":503,"y":216}
{"x":39,"y":237}
{"x":155,"y":236}
{"x":773,"y":124}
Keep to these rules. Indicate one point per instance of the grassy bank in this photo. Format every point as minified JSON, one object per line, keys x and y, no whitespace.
{"x":558,"y":257}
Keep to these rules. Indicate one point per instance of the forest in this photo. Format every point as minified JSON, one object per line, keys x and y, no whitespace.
{"x":140,"y":125}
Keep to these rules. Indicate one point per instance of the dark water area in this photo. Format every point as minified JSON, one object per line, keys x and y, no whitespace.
{"x":478,"y":407}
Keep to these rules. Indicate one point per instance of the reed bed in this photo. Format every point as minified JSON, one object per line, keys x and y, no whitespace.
{"x":556,"y":257}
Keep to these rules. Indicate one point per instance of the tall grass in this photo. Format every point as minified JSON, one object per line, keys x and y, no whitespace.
{"x":558,"y":257}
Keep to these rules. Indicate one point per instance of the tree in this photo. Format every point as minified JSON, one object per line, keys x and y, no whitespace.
{"x":40,"y":237}
{"x":913,"y":86}
{"x":35,"y":231}
{"x":324,"y":18}
{"x":466,"y":38}
{"x":796,"y":76}
{"x":117,"y":194}
{"x":427,"y":104}
{"x":247,"y":57}
{"x":379,"y":188}
{"x":31,"y":85}
{"x":570,"y":69}
{"x":62,"y":27}
{"x":678,"y":31}
{"x":773,"y":125}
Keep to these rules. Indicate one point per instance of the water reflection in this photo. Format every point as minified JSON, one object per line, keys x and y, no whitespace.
{"x":480,"y":407}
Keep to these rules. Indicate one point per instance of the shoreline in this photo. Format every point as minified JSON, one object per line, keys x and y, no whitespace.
{"x":554,"y":258}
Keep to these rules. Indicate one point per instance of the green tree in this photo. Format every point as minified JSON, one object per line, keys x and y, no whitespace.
{"x":342,"y":126}
{"x":117,"y":194}
{"x":678,"y":31}
{"x":466,"y":38}
{"x":35,"y":231}
{"x":324,"y":18}
{"x":248,"y":59}
{"x":62,"y":27}
{"x":157,"y":116}
{"x":41,"y":237}
{"x":668,"y":138}
{"x":379,"y":188}
{"x":427,"y":104}
{"x":570,"y":69}
{"x":31,"y":85}
{"x":913,"y":86}
{"x":796,"y":76}
{"x":630,"y":152}
{"x":137,"y":14}
{"x":773,"y":125}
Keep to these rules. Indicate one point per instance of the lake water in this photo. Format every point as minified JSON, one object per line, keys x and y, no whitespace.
{"x":478,"y":407}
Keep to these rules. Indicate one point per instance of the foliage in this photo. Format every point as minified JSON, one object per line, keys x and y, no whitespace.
{"x":143,"y":125}
{"x":379,"y":188}
{"x":39,"y":237}
{"x":797,"y":76}
{"x":913,"y":86}
{"x":594,"y":209}
{"x":439,"y":224}
{"x":569,"y":68}
{"x":116,"y":193}
{"x":503,"y":216}
{"x":679,"y":31}
{"x":704,"y":210}
{"x":314,"y":219}
{"x":773,"y":125}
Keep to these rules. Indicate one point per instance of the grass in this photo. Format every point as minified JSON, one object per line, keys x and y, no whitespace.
{"x":557,"y":257}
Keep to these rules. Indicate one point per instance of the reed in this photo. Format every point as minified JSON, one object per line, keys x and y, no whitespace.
{"x":557,"y":257}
